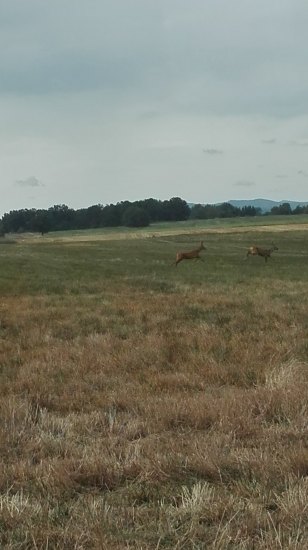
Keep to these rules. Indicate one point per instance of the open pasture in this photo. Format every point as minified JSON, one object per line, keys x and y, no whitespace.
{"x":148,"y":406}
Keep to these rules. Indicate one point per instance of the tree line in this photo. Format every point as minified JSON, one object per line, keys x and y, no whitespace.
{"x":129,"y":214}
{"x":60,"y":217}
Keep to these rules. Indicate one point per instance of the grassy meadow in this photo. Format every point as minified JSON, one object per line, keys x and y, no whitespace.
{"x":145,"y":406}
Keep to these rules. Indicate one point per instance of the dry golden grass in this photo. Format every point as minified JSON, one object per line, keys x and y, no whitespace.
{"x":146,"y":419}
{"x":264,"y":224}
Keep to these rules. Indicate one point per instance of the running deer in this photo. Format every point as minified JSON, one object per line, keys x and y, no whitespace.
{"x":191,"y":255}
{"x":264,"y":252}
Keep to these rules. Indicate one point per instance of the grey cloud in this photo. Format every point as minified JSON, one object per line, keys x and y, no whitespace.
{"x":241,"y":62}
{"x":303,"y":173}
{"x":272,"y":140}
{"x":244,"y":183}
{"x":299,"y":143}
{"x":107,"y":45}
{"x":213,"y":151}
{"x":32,"y":181}
{"x":190,"y":59}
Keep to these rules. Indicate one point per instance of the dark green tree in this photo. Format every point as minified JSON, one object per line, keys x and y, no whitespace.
{"x":94,"y":216}
{"x":179,"y":209}
{"x":41,"y":222}
{"x":300,"y":210}
{"x":250,"y":211}
{"x":61,"y":217}
{"x":197,"y":212}
{"x":282,"y":210}
{"x":134,"y":216}
{"x":227,"y":210}
{"x":111,"y":215}
{"x":153,"y":208}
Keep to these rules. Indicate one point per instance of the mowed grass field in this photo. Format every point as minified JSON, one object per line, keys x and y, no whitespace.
{"x":145,"y":406}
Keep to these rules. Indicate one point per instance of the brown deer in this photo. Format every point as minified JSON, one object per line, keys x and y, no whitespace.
{"x":263,"y":252}
{"x":191,"y":255}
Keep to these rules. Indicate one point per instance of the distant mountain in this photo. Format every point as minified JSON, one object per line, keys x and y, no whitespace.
{"x":265,"y":204}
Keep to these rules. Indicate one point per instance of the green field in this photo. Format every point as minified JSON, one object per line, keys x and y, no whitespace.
{"x":146,"y":406}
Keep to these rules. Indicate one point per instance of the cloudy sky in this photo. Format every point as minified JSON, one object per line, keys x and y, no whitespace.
{"x":103,"y":101}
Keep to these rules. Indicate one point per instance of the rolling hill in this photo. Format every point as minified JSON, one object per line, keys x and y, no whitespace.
{"x":265,"y":204}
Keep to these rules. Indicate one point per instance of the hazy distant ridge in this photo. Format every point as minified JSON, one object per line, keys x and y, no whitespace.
{"x":265,"y":204}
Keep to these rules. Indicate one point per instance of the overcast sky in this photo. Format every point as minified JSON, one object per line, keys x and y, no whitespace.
{"x":110,"y":100}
